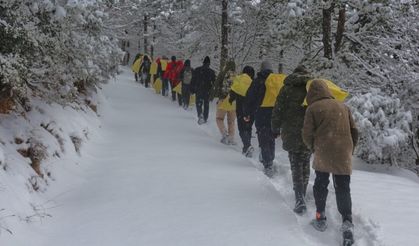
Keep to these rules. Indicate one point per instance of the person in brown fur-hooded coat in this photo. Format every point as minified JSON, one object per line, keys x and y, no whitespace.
{"x":330,"y":132}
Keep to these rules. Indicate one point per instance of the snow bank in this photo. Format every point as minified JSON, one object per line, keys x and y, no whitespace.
{"x":61,"y":131}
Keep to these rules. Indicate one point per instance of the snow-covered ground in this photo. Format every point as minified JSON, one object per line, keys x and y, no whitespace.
{"x":152,"y":176}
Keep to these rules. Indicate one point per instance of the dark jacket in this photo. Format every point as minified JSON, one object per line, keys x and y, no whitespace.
{"x":202,"y":82}
{"x":182,"y":74}
{"x":254,"y":99}
{"x":329,"y":130}
{"x":288,"y":114}
{"x":146,"y":65}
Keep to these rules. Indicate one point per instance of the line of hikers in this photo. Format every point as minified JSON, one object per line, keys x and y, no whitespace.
{"x":304,"y":112}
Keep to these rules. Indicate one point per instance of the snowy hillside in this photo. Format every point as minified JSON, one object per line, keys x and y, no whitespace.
{"x":147,"y":174}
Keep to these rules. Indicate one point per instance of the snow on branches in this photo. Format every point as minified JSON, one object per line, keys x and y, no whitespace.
{"x":384,"y":127}
{"x":48,"y":48}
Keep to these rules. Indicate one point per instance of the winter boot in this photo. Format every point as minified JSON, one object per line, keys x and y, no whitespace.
{"x":201,"y":120}
{"x":224,"y":139}
{"x":260,"y":157}
{"x":248,"y":152}
{"x":231,"y":141}
{"x":300,"y":204}
{"x":347,"y":233}
{"x":269,"y":170}
{"x":320,"y":223}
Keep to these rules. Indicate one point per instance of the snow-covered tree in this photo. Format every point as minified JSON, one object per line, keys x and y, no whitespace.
{"x":384,"y":127}
{"x":53,"y":46}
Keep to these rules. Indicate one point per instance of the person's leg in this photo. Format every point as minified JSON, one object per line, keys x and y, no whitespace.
{"x":343,"y":196}
{"x":147,"y":80}
{"x":240,"y":127}
{"x":296,"y":171}
{"x":186,"y":95}
{"x":199,"y":105}
{"x":264,"y":144}
{"x":179,"y":99}
{"x":297,"y":161}
{"x":136,"y":77}
{"x":220,"y":116}
{"x":320,"y":191}
{"x":206,"y":107}
{"x":305,"y":160}
{"x":164,"y":87}
{"x":173,"y":92}
{"x":231,"y":122}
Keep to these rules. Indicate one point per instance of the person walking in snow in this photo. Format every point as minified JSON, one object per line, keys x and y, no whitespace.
{"x":169,"y":75}
{"x":256,"y":104}
{"x":224,"y":107}
{"x":186,"y":78}
{"x":145,"y":71}
{"x":241,"y":84}
{"x":202,"y":83}
{"x":287,"y":121}
{"x":138,"y":59}
{"x":161,"y":71}
{"x":330,"y":132}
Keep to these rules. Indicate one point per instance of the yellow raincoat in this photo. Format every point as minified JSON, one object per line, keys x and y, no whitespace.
{"x":273,"y":83}
{"x":157,"y":85}
{"x":153,"y":68}
{"x":137,"y":64}
{"x":336,"y":91}
{"x":163,"y":64}
{"x":178,"y":90}
{"x":241,"y":84}
{"x":226,"y":105}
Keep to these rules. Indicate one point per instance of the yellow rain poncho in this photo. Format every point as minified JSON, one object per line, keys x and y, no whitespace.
{"x":178,"y":90}
{"x":137,"y":64}
{"x":157,"y":85}
{"x":241,"y":84}
{"x":336,"y":91}
{"x":163,"y":64}
{"x":153,"y":68}
{"x":226,"y":105}
{"x":273,"y":83}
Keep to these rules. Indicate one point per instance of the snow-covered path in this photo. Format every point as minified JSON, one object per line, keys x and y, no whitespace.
{"x":155,"y":178}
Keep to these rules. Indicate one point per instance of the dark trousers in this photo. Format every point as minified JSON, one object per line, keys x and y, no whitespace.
{"x":202,"y":106}
{"x":300,"y":168}
{"x":267,"y":145}
{"x":342,"y":190}
{"x":179,"y":97}
{"x":147,"y":79}
{"x":186,"y":94}
{"x":136,"y":76}
{"x":245,"y":130}
{"x":165,"y":87}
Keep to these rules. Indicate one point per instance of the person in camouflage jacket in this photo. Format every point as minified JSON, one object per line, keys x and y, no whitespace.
{"x":287,"y":121}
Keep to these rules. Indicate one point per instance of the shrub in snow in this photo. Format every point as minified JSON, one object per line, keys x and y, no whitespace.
{"x":47,"y":47}
{"x":384,"y":127}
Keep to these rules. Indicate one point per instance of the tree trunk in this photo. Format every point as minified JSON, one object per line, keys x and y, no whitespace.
{"x":327,"y":31}
{"x":145,"y":34}
{"x":224,"y":34}
{"x":154,"y":40}
{"x":340,"y":28}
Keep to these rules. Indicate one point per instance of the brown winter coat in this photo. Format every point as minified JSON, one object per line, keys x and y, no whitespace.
{"x":329,"y":130}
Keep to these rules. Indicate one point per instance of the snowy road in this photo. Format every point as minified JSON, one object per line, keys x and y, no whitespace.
{"x":154,"y":177}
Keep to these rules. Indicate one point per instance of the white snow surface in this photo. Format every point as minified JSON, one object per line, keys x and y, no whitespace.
{"x":151,"y":176}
